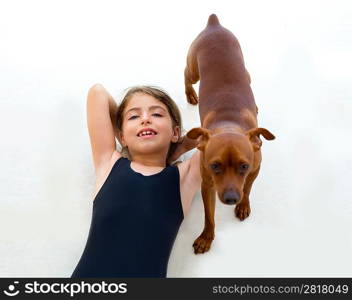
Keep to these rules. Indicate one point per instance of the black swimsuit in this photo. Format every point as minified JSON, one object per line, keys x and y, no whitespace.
{"x":135,"y":221}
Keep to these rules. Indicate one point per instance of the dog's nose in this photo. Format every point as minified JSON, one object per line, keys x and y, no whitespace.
{"x":231,"y":197}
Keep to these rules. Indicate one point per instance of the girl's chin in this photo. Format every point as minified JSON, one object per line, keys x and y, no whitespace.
{"x":149,"y":146}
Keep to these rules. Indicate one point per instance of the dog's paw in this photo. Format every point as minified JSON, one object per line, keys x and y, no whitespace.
{"x":192,"y":97}
{"x":242,"y":210}
{"x":202,"y":244}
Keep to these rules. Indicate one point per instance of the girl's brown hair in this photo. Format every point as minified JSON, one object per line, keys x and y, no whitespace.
{"x":163,"y":97}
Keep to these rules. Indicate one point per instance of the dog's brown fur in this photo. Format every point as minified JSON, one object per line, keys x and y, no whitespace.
{"x":229,"y":133}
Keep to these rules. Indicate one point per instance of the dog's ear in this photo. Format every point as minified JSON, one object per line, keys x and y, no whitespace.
{"x":202,"y":134}
{"x":253,"y":135}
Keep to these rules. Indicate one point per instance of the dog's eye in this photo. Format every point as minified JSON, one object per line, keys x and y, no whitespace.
{"x":215,"y":167}
{"x":244,"y":167}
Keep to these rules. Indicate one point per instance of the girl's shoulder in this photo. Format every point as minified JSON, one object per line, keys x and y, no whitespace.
{"x":104,"y":170}
{"x":116,"y":155}
{"x":189,"y":170}
{"x":190,"y":180}
{"x":182,"y":167}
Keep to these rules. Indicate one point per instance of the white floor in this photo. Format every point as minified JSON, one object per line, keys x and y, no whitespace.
{"x":299,"y":60}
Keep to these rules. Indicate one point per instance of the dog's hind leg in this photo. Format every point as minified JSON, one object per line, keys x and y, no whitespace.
{"x":191,"y":77}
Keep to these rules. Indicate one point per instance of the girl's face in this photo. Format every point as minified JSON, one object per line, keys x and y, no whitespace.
{"x":144,"y":111}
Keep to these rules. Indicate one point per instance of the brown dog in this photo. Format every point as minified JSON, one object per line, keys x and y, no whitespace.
{"x":229,"y":133}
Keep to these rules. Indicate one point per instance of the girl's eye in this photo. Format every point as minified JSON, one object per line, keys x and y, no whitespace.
{"x":132,"y":117}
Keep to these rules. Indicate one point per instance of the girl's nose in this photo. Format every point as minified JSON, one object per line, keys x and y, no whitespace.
{"x":145,"y":118}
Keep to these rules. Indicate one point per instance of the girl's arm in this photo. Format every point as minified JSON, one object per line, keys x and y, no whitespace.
{"x":194,"y":173}
{"x":100,"y":125}
{"x":113,"y":110}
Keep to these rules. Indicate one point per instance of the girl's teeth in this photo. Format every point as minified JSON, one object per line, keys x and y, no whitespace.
{"x":147,"y":133}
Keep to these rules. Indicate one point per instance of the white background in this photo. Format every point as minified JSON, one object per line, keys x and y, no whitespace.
{"x":299,"y":56}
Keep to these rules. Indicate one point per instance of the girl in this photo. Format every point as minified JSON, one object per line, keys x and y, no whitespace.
{"x":141,"y":198}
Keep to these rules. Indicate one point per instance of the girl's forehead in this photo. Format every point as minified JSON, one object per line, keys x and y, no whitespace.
{"x":143,"y":100}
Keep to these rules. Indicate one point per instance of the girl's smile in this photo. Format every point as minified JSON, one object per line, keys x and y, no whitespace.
{"x":146,"y":131}
{"x":147,"y":136}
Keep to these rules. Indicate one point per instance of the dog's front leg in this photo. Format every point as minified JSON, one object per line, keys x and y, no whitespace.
{"x":203,"y":242}
{"x":243,"y":209}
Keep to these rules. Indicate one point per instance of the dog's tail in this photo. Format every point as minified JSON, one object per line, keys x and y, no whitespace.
{"x":213,"y":20}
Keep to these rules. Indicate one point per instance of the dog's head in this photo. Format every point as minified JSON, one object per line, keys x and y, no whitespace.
{"x":228,"y":158}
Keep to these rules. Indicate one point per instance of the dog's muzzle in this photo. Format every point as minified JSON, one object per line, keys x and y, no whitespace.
{"x":231,"y":197}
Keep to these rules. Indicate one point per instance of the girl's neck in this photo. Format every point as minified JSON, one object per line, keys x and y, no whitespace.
{"x":149,"y":161}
